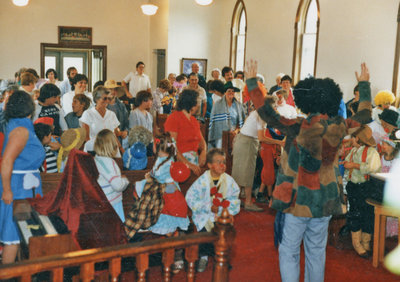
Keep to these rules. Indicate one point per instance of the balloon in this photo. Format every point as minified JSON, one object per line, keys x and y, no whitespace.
{"x":179,"y":171}
{"x":139,"y":150}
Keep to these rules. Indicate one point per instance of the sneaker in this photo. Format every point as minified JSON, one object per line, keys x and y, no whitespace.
{"x":242,"y":194}
{"x":201,"y":266}
{"x":253,"y":207}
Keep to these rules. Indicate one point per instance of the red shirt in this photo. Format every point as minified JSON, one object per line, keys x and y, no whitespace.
{"x":189,"y":134}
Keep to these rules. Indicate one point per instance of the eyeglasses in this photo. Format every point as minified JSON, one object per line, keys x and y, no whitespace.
{"x":106,"y":98}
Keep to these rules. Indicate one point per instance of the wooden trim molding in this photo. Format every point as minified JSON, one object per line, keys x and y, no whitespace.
{"x":395,"y":81}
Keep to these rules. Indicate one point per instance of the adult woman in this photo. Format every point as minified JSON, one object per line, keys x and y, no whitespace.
{"x":20,"y":178}
{"x":79,"y":83}
{"x":98,"y":118}
{"x":52,"y":76}
{"x":185,"y":130}
{"x":227,"y":114}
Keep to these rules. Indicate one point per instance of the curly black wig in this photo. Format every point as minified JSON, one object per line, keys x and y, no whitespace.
{"x":316,"y":95}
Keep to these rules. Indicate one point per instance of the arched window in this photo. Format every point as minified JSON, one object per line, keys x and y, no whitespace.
{"x":306,"y":40}
{"x":238,"y":36}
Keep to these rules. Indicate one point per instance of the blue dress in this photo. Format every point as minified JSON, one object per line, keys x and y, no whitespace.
{"x":25,"y":176}
{"x":166,"y":223}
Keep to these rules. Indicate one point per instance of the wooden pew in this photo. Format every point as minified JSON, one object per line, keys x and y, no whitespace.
{"x":227,"y":146}
{"x":222,"y":237}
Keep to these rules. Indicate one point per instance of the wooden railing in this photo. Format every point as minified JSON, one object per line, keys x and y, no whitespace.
{"x":222,"y":236}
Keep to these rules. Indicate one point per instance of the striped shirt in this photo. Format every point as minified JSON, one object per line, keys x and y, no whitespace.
{"x":50,"y":162}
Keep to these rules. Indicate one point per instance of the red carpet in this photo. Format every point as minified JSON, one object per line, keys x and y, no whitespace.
{"x":255,"y":258}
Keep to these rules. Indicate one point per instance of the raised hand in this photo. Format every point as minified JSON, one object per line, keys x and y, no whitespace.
{"x":251,"y":69}
{"x":364,"y":76}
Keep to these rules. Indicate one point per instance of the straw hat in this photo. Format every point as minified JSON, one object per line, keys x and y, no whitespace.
{"x":364,"y":133}
{"x":72,"y":139}
{"x":111,"y":84}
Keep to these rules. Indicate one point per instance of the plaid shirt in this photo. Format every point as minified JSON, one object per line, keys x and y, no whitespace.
{"x":146,"y":211}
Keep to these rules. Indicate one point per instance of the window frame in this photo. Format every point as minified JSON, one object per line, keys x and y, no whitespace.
{"x":235,"y":23}
{"x":299,"y":30}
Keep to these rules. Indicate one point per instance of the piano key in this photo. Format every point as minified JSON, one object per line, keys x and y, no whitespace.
{"x":48,"y":226}
{"x":26,"y":232}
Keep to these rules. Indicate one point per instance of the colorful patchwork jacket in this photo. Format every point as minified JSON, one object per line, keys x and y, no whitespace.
{"x":309,"y":183}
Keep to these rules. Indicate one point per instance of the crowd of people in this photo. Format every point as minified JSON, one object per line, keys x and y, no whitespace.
{"x":306,"y":136}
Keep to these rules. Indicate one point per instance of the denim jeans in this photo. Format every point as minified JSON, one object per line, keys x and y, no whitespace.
{"x":314,"y":233}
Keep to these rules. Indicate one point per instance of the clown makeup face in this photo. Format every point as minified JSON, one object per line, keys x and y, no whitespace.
{"x":218,"y":166}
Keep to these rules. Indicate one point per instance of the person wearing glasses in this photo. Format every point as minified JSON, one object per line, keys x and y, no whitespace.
{"x":98,"y":118}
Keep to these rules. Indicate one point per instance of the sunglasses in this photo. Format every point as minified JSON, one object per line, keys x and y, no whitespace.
{"x":106,"y":98}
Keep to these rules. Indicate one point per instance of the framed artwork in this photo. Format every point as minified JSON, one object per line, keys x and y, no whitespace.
{"x":186,"y":66}
{"x":75,"y":35}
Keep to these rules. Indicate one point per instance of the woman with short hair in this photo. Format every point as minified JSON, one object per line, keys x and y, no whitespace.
{"x":185,"y":130}
{"x":98,"y":118}
{"x":79,"y":84}
{"x":20,"y":177}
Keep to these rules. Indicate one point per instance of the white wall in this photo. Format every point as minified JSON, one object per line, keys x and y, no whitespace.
{"x":358,"y":31}
{"x":118,"y":24}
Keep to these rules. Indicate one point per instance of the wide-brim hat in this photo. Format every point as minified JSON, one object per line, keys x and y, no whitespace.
{"x":111,"y":84}
{"x":229,"y":85}
{"x":389,"y":116}
{"x":364,"y":133}
{"x":72,"y":139}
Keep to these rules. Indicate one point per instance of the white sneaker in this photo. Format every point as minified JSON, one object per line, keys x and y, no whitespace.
{"x":202,"y":264}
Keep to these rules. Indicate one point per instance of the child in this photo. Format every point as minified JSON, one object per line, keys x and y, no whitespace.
{"x":362,"y":160}
{"x":390,"y":151}
{"x":131,"y":160}
{"x":43,"y":132}
{"x":70,"y":139}
{"x":168,"y":102}
{"x":110,"y":179}
{"x":174,"y":213}
{"x":212,"y":191}
{"x":80,"y":103}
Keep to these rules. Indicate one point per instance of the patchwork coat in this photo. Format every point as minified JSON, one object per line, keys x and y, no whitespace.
{"x":308,"y":182}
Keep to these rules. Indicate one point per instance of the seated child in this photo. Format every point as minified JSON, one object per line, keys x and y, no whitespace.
{"x":138,"y":134}
{"x":43,"y":132}
{"x":70,"y":139}
{"x":168,"y":102}
{"x":110,"y":178}
{"x":174,"y":212}
{"x":80,"y":103}
{"x":212,"y":191}
{"x":389,"y":150}
{"x":362,"y":160}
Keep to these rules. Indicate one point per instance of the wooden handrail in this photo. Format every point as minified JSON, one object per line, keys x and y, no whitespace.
{"x":222,"y":237}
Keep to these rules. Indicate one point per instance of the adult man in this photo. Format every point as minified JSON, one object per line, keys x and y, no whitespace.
{"x":65,"y":85}
{"x":227,"y":75}
{"x":138,"y":81}
{"x":172,"y":78}
{"x":307,"y":187}
{"x":196,"y":69}
{"x":202,"y":98}
{"x":117,"y":107}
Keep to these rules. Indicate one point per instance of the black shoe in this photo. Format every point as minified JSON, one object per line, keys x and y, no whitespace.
{"x":261,"y":198}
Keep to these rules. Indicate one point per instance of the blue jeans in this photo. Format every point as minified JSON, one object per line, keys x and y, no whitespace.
{"x":314,"y":233}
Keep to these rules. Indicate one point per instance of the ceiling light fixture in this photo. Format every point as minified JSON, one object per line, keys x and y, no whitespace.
{"x":149,"y":9}
{"x":20,"y":3}
{"x":204,"y":2}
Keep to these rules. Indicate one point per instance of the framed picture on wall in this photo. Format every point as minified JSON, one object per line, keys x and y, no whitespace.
{"x":75,"y":35}
{"x":186,"y":65}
